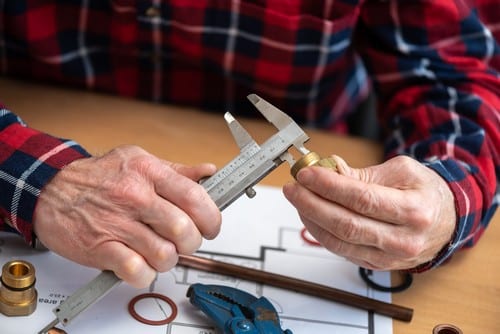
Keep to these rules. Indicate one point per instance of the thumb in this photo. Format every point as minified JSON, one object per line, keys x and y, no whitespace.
{"x":196,"y":172}
{"x":361,"y":174}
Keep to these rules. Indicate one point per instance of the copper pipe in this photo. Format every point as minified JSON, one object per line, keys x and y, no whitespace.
{"x":298,"y":285}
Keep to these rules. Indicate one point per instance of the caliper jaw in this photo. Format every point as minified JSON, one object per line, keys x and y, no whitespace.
{"x":255,"y":161}
{"x":287,"y":127}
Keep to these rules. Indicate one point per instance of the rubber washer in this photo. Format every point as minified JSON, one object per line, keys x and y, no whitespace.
{"x":309,"y":240}
{"x":136,"y":316}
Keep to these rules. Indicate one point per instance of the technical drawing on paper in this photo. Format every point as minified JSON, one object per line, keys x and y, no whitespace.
{"x":268,"y":239}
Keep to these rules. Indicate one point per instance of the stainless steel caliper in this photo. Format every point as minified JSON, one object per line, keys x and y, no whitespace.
{"x":236,"y":178}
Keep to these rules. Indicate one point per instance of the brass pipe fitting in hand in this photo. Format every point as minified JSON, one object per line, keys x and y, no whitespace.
{"x":312,"y":159}
{"x":18,"y":295}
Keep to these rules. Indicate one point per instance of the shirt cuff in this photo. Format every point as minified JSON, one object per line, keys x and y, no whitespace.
{"x":468,"y":204}
{"x":29,"y":161}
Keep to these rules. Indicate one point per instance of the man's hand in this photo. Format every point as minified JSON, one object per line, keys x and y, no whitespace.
{"x":396,"y":215}
{"x":126,"y":211}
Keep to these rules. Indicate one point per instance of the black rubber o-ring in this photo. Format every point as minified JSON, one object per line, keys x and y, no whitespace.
{"x":408,"y":279}
{"x":136,"y":316}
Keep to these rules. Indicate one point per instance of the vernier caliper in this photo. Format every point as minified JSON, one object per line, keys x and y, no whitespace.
{"x":237,"y":177}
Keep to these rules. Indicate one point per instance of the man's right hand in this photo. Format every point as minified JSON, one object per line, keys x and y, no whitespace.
{"x":126,"y":211}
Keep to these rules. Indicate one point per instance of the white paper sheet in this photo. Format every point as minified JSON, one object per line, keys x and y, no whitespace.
{"x":263,"y":232}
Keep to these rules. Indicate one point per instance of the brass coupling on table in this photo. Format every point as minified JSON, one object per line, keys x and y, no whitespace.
{"x":18,"y":295}
{"x":446,"y":329}
{"x":312,"y":159}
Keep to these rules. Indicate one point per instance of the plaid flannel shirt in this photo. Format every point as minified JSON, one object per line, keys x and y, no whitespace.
{"x":434,"y":66}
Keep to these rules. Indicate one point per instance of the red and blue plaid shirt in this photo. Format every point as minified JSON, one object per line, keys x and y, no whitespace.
{"x":434,"y":66}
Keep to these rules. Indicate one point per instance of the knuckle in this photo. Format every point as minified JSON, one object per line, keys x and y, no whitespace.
{"x":404,"y":162}
{"x":192,"y":246}
{"x":165,"y":257}
{"x":132,"y":267}
{"x":338,"y":247}
{"x":127,"y":148}
{"x":180,"y":228}
{"x":426,"y":219}
{"x":128,"y":191}
{"x":349,"y":230}
{"x":186,"y":238}
{"x":142,"y":163}
{"x":194,"y":195}
{"x":421,"y":218}
{"x":412,"y":247}
{"x":412,"y":213}
{"x":366,"y":203}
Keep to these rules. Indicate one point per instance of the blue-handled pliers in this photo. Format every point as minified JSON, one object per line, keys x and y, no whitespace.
{"x":235,"y":311}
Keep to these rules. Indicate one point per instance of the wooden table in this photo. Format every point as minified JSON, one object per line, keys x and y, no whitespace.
{"x":464,"y":292}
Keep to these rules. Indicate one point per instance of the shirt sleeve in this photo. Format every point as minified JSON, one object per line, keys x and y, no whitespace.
{"x":28,"y":160}
{"x":435,"y":66}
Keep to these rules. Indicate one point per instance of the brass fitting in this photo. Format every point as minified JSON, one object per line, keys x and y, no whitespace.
{"x":18,"y":295}
{"x":446,"y":329}
{"x":312,"y":159}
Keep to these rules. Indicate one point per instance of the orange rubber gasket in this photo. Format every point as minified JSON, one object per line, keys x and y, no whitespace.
{"x":307,"y":239}
{"x":136,"y":316}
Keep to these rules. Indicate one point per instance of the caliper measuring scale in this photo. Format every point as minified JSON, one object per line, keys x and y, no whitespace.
{"x":236,"y":178}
